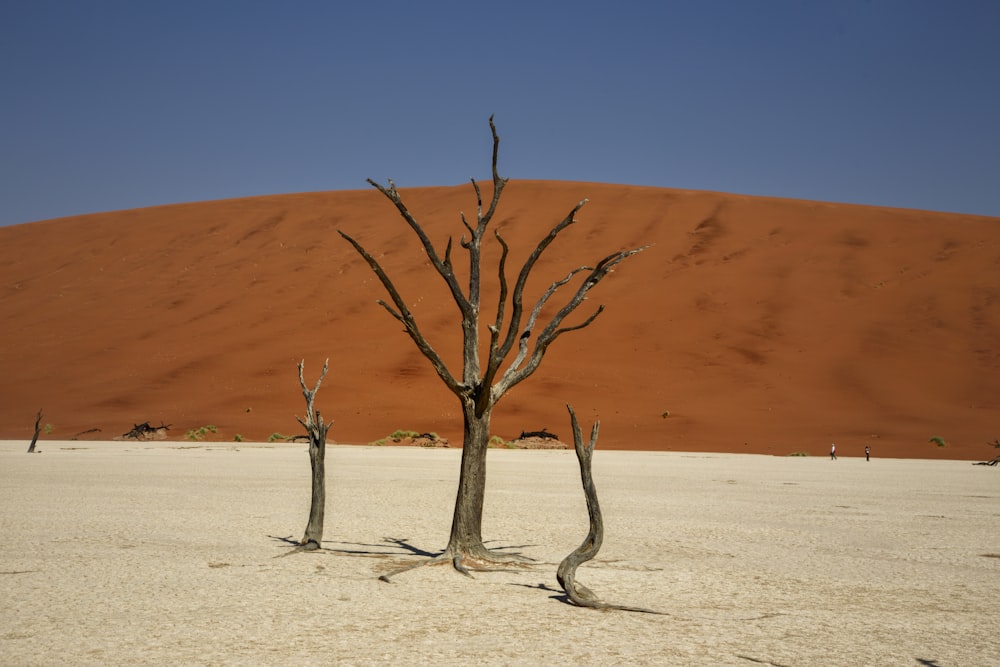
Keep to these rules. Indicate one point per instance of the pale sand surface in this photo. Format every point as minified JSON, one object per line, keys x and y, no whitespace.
{"x":124,"y":553}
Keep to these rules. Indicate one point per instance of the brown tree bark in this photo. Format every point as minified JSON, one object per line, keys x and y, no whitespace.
{"x":34,"y":438}
{"x":316,"y":429}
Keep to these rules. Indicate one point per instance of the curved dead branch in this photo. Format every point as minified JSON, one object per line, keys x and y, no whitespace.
{"x":577,"y":593}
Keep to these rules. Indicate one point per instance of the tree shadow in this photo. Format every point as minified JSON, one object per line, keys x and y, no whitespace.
{"x":403,"y":547}
{"x":364,"y":548}
{"x":287,"y":541}
{"x":759,"y":661}
{"x":560,"y":595}
{"x":410,"y":549}
{"x":928,"y":663}
{"x":509,"y":549}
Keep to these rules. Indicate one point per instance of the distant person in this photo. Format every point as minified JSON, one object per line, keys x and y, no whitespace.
{"x":833,"y":452}
{"x":868,"y":452}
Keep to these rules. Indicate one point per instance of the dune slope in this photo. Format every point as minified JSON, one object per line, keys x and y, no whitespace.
{"x":750,"y":325}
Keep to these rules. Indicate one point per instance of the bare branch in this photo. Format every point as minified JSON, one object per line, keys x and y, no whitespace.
{"x":442,"y":267}
{"x":533,"y":317}
{"x":494,"y":360}
{"x":313,"y":422}
{"x":603,"y":268}
{"x":391,"y":310}
{"x":515,"y":374}
{"x":465,"y":223}
{"x":447,"y":255}
{"x":403,"y":314}
{"x":479,"y":200}
{"x":514,"y":326}
{"x":498,"y":181}
{"x":581,"y":325}
{"x":311,"y":395}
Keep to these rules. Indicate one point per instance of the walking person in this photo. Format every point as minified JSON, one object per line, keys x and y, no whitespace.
{"x":833,"y":452}
{"x":868,"y":452}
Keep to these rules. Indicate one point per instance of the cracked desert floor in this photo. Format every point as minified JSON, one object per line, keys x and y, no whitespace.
{"x":169,"y":553}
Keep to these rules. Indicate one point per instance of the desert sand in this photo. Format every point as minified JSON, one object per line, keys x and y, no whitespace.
{"x":172,"y":553}
{"x":752,"y":325}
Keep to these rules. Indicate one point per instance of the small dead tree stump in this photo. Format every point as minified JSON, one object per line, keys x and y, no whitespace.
{"x":317,"y":429}
{"x":577,"y":593}
{"x":992,"y":462}
{"x":34,"y":438}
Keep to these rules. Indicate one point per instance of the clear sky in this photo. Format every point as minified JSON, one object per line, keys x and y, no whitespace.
{"x":115,"y":104}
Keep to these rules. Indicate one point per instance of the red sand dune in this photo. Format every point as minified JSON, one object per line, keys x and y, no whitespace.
{"x":753,"y":324}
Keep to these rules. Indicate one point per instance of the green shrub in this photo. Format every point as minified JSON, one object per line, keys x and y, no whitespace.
{"x":200,"y":433}
{"x":238,"y":438}
{"x":799,"y":454}
{"x":938,"y":440}
{"x":278,"y":436}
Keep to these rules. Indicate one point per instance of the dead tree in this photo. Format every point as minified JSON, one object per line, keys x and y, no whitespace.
{"x":145,"y":431}
{"x":515,"y":332}
{"x":34,"y":438}
{"x":317,"y":429}
{"x":577,"y":593}
{"x":543,"y":434}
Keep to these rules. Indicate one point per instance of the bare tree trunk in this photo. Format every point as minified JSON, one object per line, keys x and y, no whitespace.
{"x":317,"y":430}
{"x":577,"y":593}
{"x":34,"y":438}
{"x":466,"y":539}
{"x":313,"y":536}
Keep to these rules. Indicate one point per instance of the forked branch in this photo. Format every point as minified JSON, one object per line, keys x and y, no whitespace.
{"x":313,"y":421}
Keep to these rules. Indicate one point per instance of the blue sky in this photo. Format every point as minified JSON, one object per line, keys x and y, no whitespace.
{"x":111,"y":105}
